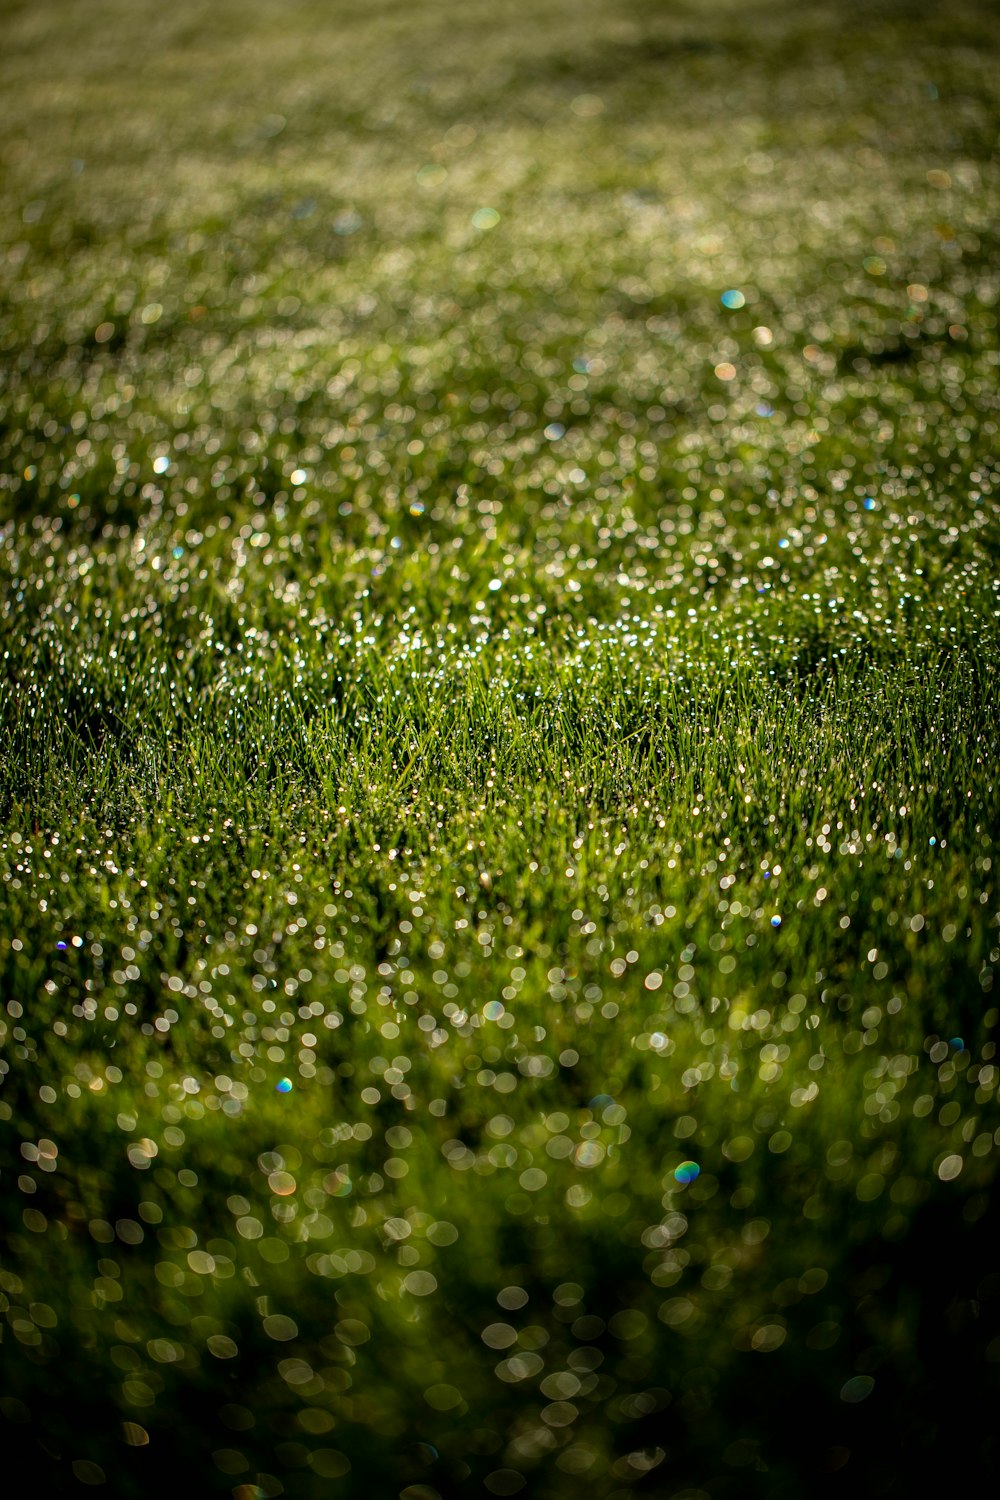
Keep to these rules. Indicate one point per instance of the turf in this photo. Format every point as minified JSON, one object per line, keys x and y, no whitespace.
{"x":500,"y":626}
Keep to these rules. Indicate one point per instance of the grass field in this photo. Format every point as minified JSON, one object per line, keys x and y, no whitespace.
{"x":499,"y":729}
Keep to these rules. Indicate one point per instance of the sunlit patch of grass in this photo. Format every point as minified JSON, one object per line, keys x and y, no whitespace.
{"x":498,"y":747}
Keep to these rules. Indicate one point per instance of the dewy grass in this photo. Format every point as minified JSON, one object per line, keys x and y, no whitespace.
{"x":499,"y":748}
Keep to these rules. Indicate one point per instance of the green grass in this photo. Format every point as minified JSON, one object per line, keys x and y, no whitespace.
{"x":454,"y":662}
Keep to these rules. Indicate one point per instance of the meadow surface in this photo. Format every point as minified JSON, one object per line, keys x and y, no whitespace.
{"x":499,"y":728}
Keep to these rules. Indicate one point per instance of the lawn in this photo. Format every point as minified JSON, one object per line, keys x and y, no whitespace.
{"x":499,"y":748}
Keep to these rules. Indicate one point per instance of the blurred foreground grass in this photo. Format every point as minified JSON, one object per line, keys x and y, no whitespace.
{"x":499,"y":701}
